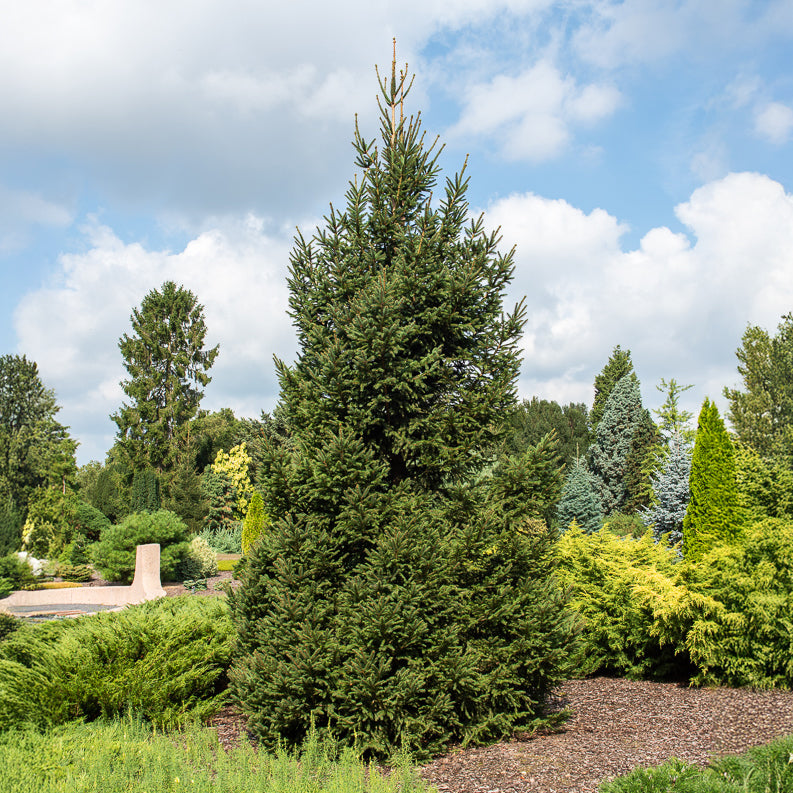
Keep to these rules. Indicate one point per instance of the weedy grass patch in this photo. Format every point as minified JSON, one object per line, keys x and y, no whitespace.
{"x":126,"y":756}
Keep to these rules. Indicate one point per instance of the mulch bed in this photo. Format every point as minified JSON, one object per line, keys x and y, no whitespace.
{"x":617,"y":726}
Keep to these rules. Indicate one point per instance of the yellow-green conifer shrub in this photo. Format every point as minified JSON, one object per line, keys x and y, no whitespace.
{"x":256,"y":521}
{"x":236,"y":465}
{"x":633,"y":606}
{"x":741,"y":632}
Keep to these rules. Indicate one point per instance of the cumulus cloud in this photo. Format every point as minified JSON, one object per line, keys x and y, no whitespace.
{"x":774,"y":122}
{"x":533,"y":113}
{"x":679,"y":302}
{"x":72,"y":326}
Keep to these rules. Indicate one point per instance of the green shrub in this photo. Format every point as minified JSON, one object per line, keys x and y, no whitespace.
{"x":741,"y":629}
{"x":625,"y":525}
{"x":760,"y":770}
{"x":227,"y":565}
{"x":228,"y":540}
{"x":631,"y":600}
{"x":17,"y":571}
{"x":8,"y":624}
{"x":199,"y":562}
{"x":114,"y":554}
{"x":256,"y":521}
{"x":75,"y":572}
{"x":164,"y":660}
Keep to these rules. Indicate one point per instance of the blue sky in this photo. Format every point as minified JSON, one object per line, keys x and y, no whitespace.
{"x":639,"y":154}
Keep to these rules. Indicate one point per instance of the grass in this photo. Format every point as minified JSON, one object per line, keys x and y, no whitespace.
{"x":126,"y":756}
{"x":764,"y":769}
{"x":227,"y":564}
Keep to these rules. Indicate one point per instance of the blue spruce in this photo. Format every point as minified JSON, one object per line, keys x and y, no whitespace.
{"x":579,"y":501}
{"x":671,"y":491}
{"x":609,"y":453}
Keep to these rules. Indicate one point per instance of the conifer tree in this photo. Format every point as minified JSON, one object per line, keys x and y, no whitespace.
{"x":615,"y":432}
{"x":714,"y":514}
{"x":393,"y":603}
{"x":645,"y":448}
{"x":579,"y":501}
{"x":167,"y":366}
{"x":618,"y":365}
{"x":255,"y":523}
{"x":670,"y":489}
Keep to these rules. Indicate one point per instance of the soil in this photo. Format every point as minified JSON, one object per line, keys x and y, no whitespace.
{"x":617,"y":725}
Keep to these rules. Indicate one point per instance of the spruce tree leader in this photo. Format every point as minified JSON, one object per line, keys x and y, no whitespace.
{"x":393,"y":603}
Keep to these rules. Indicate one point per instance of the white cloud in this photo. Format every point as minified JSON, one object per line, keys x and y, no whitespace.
{"x":532,"y":113}
{"x":774,"y":122}
{"x":679,"y":304}
{"x":72,"y":327}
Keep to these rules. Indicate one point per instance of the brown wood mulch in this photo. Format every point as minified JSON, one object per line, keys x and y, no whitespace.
{"x":617,"y":726}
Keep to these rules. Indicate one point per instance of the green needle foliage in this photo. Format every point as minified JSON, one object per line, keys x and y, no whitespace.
{"x":167,"y":366}
{"x":394,"y":603}
{"x":579,"y":501}
{"x":714,"y":514}
{"x":618,"y":365}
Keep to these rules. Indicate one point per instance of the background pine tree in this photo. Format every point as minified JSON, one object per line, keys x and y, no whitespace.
{"x":618,"y":365}
{"x":579,"y":501}
{"x":671,"y":493}
{"x":395,"y":602}
{"x":609,"y":453}
{"x":714,"y":514}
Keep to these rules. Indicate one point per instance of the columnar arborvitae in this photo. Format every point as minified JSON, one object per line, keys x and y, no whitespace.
{"x":579,"y":501}
{"x":394,"y":602}
{"x":609,"y":453}
{"x":714,"y":514}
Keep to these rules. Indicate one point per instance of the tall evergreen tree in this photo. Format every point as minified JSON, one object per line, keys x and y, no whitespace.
{"x":644,"y":450}
{"x":167,"y":364}
{"x":579,"y":501}
{"x":609,"y":453}
{"x":670,"y":488}
{"x":673,"y":421}
{"x":762,"y":413}
{"x":618,"y":365}
{"x":532,"y":419}
{"x":393,"y":603}
{"x":714,"y":513}
{"x":35,"y":449}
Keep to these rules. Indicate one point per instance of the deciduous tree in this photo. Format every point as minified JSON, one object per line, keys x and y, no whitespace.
{"x":762,"y":413}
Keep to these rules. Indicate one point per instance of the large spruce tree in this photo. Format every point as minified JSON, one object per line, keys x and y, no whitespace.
{"x":714,"y":513}
{"x":167,"y":365}
{"x":609,"y":454}
{"x":394,"y":602}
{"x":618,"y":365}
